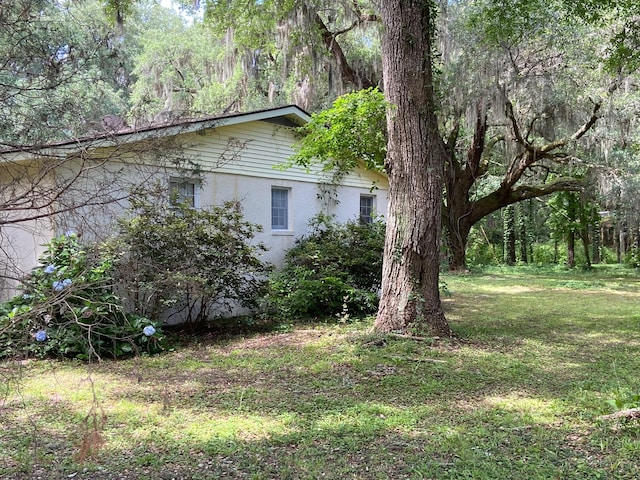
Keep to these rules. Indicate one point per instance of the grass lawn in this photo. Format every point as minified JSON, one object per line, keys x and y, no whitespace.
{"x":517,"y":396}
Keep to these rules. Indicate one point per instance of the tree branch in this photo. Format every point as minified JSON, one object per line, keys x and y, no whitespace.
{"x":524,"y":192}
{"x":533,"y":154}
{"x":347,"y":73}
{"x":514,"y":123}
{"x":629,"y":413}
{"x":506,"y":196}
{"x":577,"y":135}
{"x":476,"y":149}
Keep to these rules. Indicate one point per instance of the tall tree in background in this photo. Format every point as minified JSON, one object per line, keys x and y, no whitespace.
{"x":410,"y":300}
{"x":62,"y":69}
{"x":64,"y":78}
{"x":573,"y":217}
{"x":509,"y":234}
{"x":525,"y":92}
{"x":246,"y":55}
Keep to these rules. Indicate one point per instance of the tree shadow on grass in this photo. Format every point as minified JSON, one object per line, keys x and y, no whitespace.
{"x":491,"y":441}
{"x":319,"y":404}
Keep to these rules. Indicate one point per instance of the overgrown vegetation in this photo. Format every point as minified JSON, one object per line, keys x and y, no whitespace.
{"x":334,"y":270}
{"x":168,"y":260}
{"x":191,"y":265}
{"x":519,"y":394}
{"x":68,"y":308}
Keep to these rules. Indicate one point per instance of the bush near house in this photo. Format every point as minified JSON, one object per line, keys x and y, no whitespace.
{"x":335,"y":270}
{"x":195,"y":264}
{"x":68,"y":308}
{"x":89,"y":302}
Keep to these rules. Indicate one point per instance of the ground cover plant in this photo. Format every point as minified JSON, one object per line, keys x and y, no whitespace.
{"x":540,"y":355}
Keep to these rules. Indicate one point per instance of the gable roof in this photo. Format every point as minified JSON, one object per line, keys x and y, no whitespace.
{"x":291,"y":115}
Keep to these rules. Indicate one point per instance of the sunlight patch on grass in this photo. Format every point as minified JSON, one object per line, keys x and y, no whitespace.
{"x":203,"y":428}
{"x":511,"y":289}
{"x":366,"y":418}
{"x":534,"y":409}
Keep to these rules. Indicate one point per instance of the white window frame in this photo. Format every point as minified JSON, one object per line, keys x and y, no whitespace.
{"x":280,"y":226}
{"x":178,"y":184}
{"x":367,"y":217}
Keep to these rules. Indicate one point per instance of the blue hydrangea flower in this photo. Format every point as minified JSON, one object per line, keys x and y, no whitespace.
{"x":26,"y":296}
{"x":148,"y":330}
{"x":41,"y":336}
{"x":60,"y":285}
{"x":49,"y":269}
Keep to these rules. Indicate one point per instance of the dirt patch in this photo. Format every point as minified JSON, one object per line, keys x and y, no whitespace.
{"x":297,"y":338}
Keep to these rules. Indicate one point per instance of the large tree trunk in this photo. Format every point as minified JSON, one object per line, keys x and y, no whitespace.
{"x":410,"y":300}
{"x":456,"y":223}
{"x":457,"y":242}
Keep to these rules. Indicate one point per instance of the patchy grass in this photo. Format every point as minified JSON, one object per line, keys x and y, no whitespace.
{"x":517,"y":395}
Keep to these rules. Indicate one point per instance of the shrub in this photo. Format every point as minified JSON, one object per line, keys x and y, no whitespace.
{"x":336,"y":269}
{"x":194,"y":264}
{"x":548,"y":253}
{"x":68,"y":309}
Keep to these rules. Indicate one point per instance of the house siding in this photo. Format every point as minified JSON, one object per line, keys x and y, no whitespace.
{"x":239,"y":162}
{"x":249,"y":177}
{"x":267,"y":147}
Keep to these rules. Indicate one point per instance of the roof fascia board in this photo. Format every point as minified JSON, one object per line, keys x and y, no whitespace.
{"x":163,"y":131}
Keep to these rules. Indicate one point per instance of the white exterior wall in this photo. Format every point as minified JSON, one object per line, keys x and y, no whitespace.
{"x":22,"y":232}
{"x":239,"y":163}
{"x":254,"y":194}
{"x":21,"y":246}
{"x":251,"y":175}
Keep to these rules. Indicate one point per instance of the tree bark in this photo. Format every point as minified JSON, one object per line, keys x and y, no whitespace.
{"x":584,"y":237}
{"x":522,"y":232}
{"x":457,"y":220}
{"x":410,"y":299}
{"x":597,"y":242}
{"x":617,"y":240}
{"x":347,"y":73}
{"x":457,"y":237}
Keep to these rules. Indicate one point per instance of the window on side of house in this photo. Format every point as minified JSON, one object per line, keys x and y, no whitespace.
{"x":184,"y":191}
{"x":280,"y":208}
{"x":367,"y":208}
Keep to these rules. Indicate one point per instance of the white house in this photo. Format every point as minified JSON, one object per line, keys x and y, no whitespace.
{"x":83,"y":185}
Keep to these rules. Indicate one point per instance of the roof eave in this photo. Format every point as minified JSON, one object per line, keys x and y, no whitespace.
{"x":291,"y":112}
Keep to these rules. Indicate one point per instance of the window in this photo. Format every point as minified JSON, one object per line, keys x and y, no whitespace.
{"x":367,"y":208}
{"x":184,"y":191}
{"x":279,"y":208}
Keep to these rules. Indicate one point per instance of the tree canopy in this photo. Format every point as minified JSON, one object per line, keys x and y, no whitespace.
{"x":63,"y":69}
